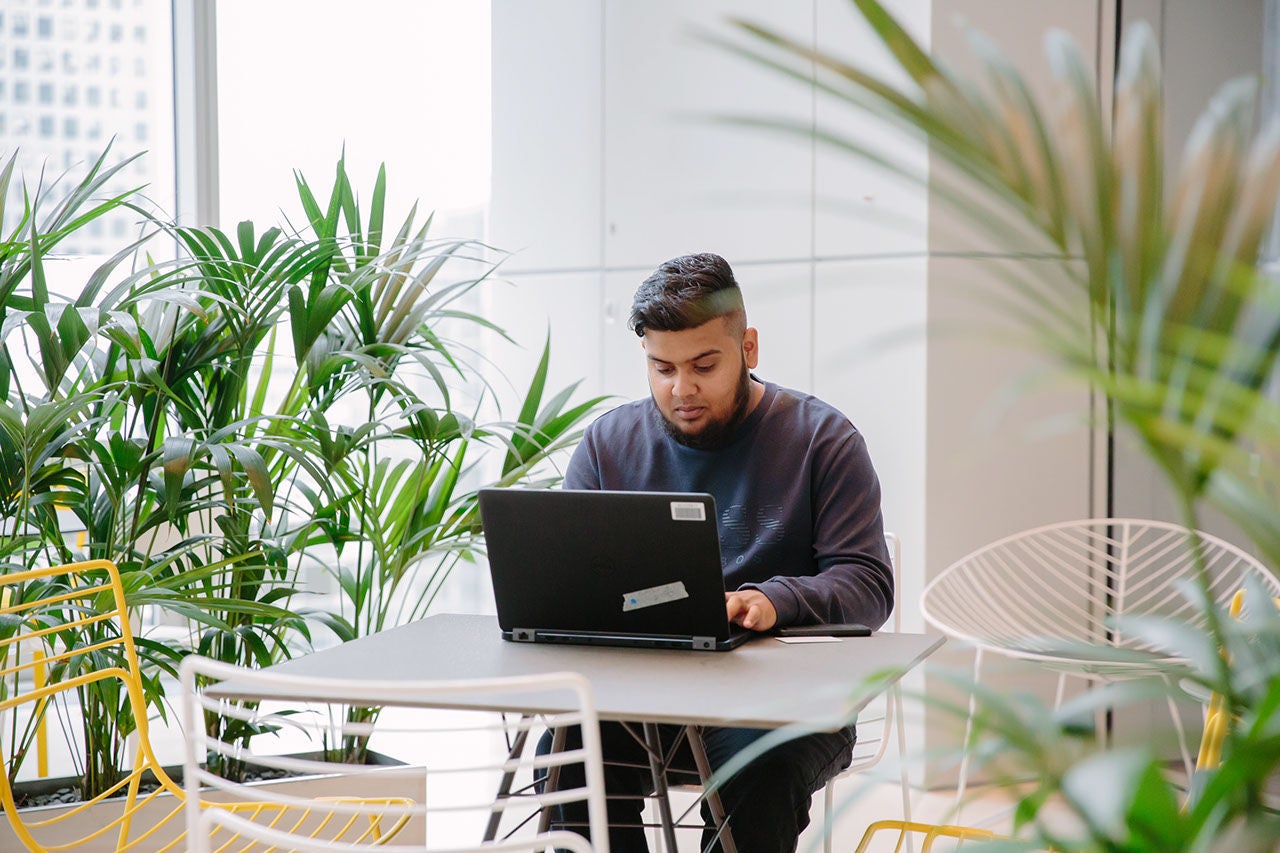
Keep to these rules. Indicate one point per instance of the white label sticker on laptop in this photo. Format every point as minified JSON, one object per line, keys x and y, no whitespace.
{"x":688,"y":511}
{"x":654,"y":595}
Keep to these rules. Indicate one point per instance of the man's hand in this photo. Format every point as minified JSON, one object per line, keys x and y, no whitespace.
{"x":751,"y":609}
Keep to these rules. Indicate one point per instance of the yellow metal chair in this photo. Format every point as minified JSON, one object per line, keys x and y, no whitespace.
{"x":897,"y":831}
{"x":1216,"y":720}
{"x":72,"y":621}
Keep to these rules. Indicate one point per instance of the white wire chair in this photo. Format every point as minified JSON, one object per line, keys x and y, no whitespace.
{"x":876,"y":727}
{"x":1051,"y":595}
{"x":463,"y":787}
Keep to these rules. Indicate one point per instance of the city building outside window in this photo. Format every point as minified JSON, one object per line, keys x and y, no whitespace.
{"x":68,"y":86}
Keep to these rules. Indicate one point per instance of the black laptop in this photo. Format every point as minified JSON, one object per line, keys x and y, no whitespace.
{"x":607,"y":568}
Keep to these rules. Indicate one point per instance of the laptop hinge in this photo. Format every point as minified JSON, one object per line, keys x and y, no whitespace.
{"x":523,"y":635}
{"x":705,"y":643}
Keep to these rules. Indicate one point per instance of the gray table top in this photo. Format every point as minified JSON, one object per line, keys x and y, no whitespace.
{"x":762,"y":684}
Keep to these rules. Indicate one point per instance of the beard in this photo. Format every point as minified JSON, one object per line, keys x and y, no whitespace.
{"x":717,"y":433}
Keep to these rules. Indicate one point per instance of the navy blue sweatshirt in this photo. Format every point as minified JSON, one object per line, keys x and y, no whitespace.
{"x":797,"y":497}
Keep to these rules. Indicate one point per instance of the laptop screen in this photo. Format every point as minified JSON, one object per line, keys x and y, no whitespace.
{"x":609,"y":564}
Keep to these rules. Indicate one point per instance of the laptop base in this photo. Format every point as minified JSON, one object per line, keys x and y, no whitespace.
{"x":639,"y":641}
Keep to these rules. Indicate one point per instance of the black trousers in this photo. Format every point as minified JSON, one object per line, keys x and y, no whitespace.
{"x":766,"y":802}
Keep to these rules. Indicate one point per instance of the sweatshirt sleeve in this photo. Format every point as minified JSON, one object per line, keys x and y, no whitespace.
{"x":584,"y":469}
{"x":854,"y":582}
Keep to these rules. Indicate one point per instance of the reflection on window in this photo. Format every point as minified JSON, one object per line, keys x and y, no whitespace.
{"x":72,"y":77}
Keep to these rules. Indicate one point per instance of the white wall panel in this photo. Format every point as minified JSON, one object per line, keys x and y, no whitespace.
{"x":869,"y":362}
{"x":1008,"y":436}
{"x":547,"y":133}
{"x":622,"y":360}
{"x":861,"y":208}
{"x":529,"y":306}
{"x":779,"y":301}
{"x":675,"y":180}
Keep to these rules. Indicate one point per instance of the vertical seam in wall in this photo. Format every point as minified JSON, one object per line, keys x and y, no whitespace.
{"x":1102,"y":459}
{"x":1094,"y":403}
{"x":813,"y":206}
{"x":1109,"y":486}
{"x":602,"y":290}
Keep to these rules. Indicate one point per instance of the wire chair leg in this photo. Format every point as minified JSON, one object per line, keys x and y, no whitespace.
{"x":895,"y":699}
{"x":962,"y":782}
{"x":828,"y":818}
{"x":1188,"y":764}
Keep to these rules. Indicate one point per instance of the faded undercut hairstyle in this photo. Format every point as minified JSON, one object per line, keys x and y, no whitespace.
{"x":686,"y":292}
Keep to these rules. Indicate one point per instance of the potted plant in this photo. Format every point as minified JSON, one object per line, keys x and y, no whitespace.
{"x":211,"y":420}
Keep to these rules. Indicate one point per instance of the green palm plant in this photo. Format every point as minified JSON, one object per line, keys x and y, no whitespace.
{"x":49,"y":215}
{"x":96,"y":425}
{"x":159,"y":406}
{"x":388,"y":507}
{"x":1167,"y":312}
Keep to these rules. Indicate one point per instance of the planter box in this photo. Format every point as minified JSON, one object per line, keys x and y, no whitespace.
{"x":310,"y":786}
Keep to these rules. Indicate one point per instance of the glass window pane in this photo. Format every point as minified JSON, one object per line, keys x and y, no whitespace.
{"x":402,"y":83}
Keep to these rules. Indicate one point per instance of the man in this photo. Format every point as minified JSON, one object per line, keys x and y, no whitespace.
{"x":800,"y":527}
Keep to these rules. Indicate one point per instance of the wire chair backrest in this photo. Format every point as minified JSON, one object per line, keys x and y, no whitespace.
{"x":440,"y":789}
{"x":875,"y":724}
{"x":67,"y":657}
{"x":1028,"y":593}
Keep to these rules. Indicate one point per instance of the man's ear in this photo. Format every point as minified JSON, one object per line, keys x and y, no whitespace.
{"x":751,"y":347}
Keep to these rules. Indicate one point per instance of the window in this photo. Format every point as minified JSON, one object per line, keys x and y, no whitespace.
{"x":404,"y":83}
{"x":55,"y":64}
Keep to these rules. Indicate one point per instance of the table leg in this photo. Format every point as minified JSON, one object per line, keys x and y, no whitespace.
{"x":659,"y":771}
{"x":504,"y":787}
{"x":553,"y":776}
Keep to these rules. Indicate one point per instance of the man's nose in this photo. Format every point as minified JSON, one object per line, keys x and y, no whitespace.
{"x":684,"y":384}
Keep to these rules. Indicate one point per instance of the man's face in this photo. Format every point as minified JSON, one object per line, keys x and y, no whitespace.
{"x":699,"y":379}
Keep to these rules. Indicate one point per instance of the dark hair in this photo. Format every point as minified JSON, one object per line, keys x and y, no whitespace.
{"x":686,"y":292}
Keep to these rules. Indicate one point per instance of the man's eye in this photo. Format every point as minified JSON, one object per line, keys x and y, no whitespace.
{"x":704,"y":368}
{"x":665,"y":371}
